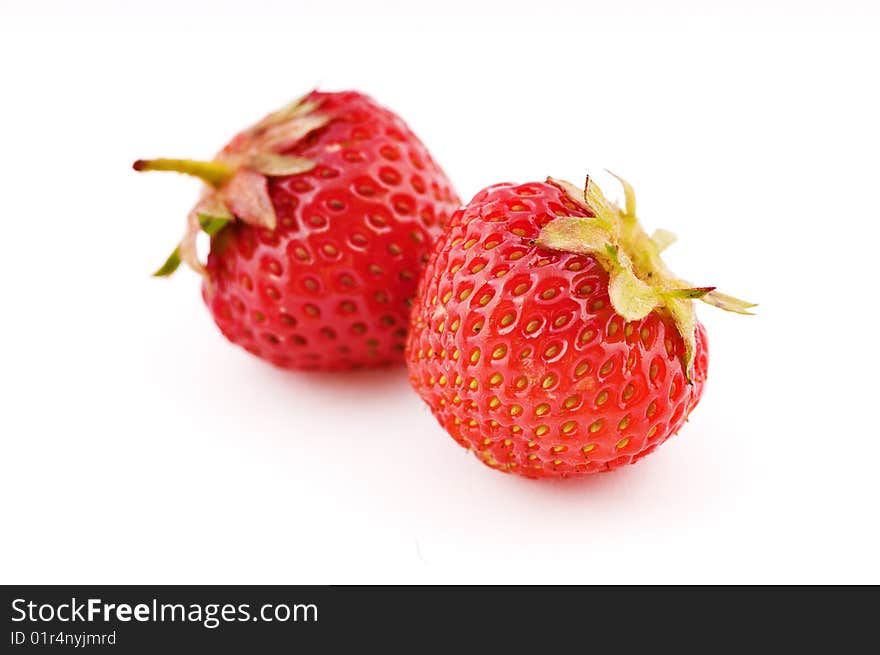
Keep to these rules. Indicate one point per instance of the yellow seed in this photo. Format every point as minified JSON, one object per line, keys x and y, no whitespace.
{"x":453,"y":327}
{"x":469,"y":244}
{"x":568,"y":427}
{"x":551,"y":351}
{"x":496,"y":379}
{"x":515,"y":410}
{"x":446,"y":297}
{"x":595,"y":426}
{"x":606,"y":367}
{"x":494,"y":403}
{"x":623,"y":423}
{"x":571,"y":401}
{"x":521,"y":383}
{"x":499,"y":352}
{"x":442,"y":380}
{"x":628,"y":391}
{"x":516,"y":254}
{"x":507,"y":319}
{"x":542,"y":409}
{"x":558,"y":449}
{"x":475,"y":355}
{"x":549,"y":381}
{"x":541,"y":430}
{"x":602,"y":398}
{"x":622,"y":443}
{"x":533,"y":325}
{"x":588,"y":448}
{"x":464,"y":294}
{"x":581,"y":368}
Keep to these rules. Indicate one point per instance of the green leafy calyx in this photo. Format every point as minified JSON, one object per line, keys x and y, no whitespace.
{"x":639,"y":280}
{"x":237,"y":178}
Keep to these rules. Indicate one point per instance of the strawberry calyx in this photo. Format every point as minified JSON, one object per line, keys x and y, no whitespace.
{"x":237,"y":178}
{"x":639,"y":280}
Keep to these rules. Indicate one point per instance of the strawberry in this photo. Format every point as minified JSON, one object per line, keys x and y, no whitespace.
{"x":548,"y":336}
{"x":321,"y":217}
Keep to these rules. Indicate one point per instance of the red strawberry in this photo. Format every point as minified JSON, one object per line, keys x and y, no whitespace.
{"x":321,"y":217}
{"x":549,"y":338}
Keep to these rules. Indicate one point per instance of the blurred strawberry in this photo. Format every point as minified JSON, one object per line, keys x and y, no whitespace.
{"x":321,"y":217}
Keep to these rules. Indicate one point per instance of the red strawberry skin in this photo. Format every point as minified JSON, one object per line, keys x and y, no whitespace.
{"x":329,"y":288}
{"x":521,"y":357}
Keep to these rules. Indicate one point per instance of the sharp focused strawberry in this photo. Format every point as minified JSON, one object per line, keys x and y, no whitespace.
{"x":321,"y":217}
{"x":548,"y":336}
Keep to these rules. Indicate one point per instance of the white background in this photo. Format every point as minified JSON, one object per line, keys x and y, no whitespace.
{"x":139,"y":447}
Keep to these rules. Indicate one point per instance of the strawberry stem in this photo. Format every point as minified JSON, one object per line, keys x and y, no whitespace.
{"x":214,"y":173}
